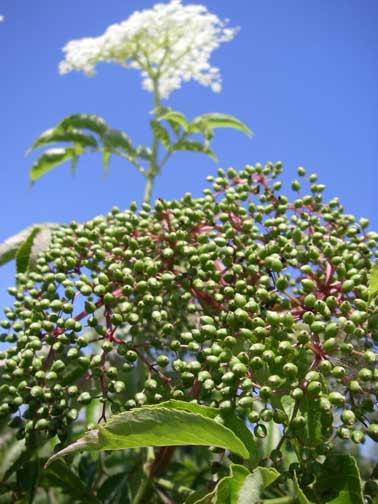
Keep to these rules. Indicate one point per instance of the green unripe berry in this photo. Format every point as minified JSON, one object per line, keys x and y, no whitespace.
{"x":325,"y":405}
{"x":372,"y":431}
{"x":314,"y":388}
{"x":343,"y":433}
{"x":329,"y":345}
{"x":241,"y":316}
{"x":347,"y":286}
{"x":331,"y":330}
{"x":119,"y":386}
{"x":240,"y":300}
{"x":109,"y":299}
{"x":116,"y":319}
{"x":274,"y":381}
{"x":225,"y":406}
{"x":295,"y":185}
{"x":317,"y":326}
{"x":336,"y":398}
{"x":239,"y":369}
{"x":301,"y":171}
{"x":308,"y":285}
{"x":273,"y":318}
{"x":298,"y":423}
{"x":42,"y":424}
{"x":245,"y":402}
{"x":348,"y":417}
{"x":36,"y":391}
{"x":297,"y":394}
{"x":162,"y":360}
{"x":265,"y":392}
{"x":150,"y":384}
{"x":312,"y":376}
{"x":131,"y":356}
{"x":355,"y":387}
{"x":72,"y":390}
{"x":266,"y":415}
{"x":84,"y":398}
{"x":70,"y":324}
{"x":260,"y":431}
{"x":303,"y":337}
{"x":253,"y":416}
{"x":72,"y":414}
{"x":281,"y":283}
{"x":338,"y":372}
{"x":325,"y":366}
{"x":290,"y":370}
{"x":365,"y":374}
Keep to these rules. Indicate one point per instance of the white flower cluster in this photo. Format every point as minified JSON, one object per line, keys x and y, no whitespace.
{"x":169,"y":43}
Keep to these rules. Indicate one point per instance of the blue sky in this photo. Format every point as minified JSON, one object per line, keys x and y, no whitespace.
{"x":302,"y":75}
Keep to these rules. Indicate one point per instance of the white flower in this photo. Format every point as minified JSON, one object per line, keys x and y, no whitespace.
{"x":169,"y":43}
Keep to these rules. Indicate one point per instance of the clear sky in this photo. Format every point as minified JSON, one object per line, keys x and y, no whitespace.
{"x":301,"y":74}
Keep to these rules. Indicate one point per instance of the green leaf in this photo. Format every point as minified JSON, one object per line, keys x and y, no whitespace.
{"x":191,"y":407}
{"x":41,"y":242}
{"x":114,"y":489}
{"x":273,"y":437}
{"x":196,"y":496}
{"x":302,"y":499}
{"x":244,"y":434}
{"x":118,"y":140}
{"x":72,"y":373}
{"x":49,"y":160}
{"x":10,"y":247}
{"x":55,"y":135}
{"x":161,"y":133}
{"x":157,"y":426}
{"x":105,"y":160}
{"x":6,"y":498}
{"x":241,"y":487}
{"x":29,"y":451}
{"x":27,"y":479}
{"x":175,"y":119}
{"x":23,"y":253}
{"x":313,"y":434}
{"x":255,"y":483}
{"x":373,"y":281}
{"x":60,"y":475}
{"x":339,"y":481}
{"x":85,"y":121}
{"x":143,"y":152}
{"x":194,"y":146}
{"x":217,"y":120}
{"x":229,"y":420}
{"x":10,"y":451}
{"x":92,"y":411}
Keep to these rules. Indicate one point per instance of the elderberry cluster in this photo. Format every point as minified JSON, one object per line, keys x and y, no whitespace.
{"x":241,"y":299}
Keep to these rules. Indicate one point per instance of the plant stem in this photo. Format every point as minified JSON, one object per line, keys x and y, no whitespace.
{"x":148,"y":188}
{"x":142,"y":492}
{"x":156,"y":469}
{"x":280,"y":500}
{"x":154,"y":167}
{"x":168,"y":485}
